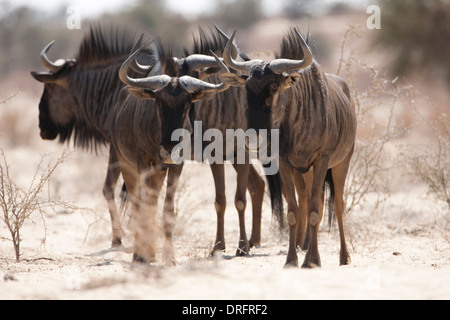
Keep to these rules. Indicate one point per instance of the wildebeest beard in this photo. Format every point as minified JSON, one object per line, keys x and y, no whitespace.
{"x":49,"y":131}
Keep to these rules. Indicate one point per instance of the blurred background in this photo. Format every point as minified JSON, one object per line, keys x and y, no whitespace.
{"x":413,"y":39}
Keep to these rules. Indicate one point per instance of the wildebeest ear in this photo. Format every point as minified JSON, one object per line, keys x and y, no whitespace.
{"x":203,"y":95}
{"x":208,"y":72}
{"x":233,"y":79}
{"x":47,"y":77}
{"x":290,"y":79}
{"x":141,"y":93}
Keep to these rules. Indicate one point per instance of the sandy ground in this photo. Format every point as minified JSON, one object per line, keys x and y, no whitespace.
{"x":399,"y":251}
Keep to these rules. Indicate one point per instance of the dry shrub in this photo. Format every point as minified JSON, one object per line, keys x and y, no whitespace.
{"x":18,"y":204}
{"x":431,"y":164}
{"x":370,"y":169}
{"x":392,"y":144}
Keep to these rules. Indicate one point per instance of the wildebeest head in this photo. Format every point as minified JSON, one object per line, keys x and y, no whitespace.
{"x":173,"y":96}
{"x":57,"y":103}
{"x":265,"y":81}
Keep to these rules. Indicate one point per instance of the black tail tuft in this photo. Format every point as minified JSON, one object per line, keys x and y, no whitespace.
{"x":330,"y":183}
{"x":276,"y":197}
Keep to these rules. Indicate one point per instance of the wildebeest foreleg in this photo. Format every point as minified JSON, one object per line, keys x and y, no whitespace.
{"x":293,"y":216}
{"x":220,"y":204}
{"x":169,"y":216}
{"x":315,"y":212}
{"x":303,"y":184}
{"x":130,"y":177}
{"x":151,"y":183}
{"x":240,"y":202}
{"x":112,"y":176}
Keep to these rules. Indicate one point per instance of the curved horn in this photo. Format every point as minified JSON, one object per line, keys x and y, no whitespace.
{"x":52,"y":66}
{"x":237,"y":65}
{"x":151,"y":83}
{"x":284,"y":65}
{"x":200,"y":61}
{"x":136,"y":66}
{"x":222,"y":66}
{"x":235,"y":51}
{"x":195,"y":85}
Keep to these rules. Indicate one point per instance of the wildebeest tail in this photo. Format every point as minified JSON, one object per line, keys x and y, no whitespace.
{"x":276,"y":196}
{"x":329,"y":182}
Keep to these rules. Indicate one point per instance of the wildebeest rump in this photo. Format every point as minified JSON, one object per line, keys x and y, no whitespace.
{"x":315,"y":114}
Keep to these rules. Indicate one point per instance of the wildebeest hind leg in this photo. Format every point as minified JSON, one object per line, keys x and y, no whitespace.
{"x":112,"y":176}
{"x":339,"y":176}
{"x":256,"y":187}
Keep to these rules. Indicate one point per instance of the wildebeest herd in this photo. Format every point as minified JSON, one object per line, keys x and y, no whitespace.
{"x":132,"y":94}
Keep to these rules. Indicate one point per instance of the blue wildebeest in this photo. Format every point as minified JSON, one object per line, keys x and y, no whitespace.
{"x":79,"y":95}
{"x":225,"y":110}
{"x":168,"y":97}
{"x":316,"y":118}
{"x":80,"y":101}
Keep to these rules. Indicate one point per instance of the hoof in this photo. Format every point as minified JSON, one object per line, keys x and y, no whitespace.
{"x":310,"y":265}
{"x":170,"y":262}
{"x":116,"y":243}
{"x":255,"y":244}
{"x":244,"y":249}
{"x":344,"y":261}
{"x":141,"y":260}
{"x":291,"y":264}
{"x":242,"y":252}
{"x":169,"y":259}
{"x":219,"y":247}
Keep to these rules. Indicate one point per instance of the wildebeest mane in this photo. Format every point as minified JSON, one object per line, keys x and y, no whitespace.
{"x":102,"y":45}
{"x":207,"y":41}
{"x":96,"y":83}
{"x":290,"y":47}
{"x":164,"y":55}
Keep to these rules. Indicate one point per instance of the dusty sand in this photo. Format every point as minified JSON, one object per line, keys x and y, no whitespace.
{"x":399,"y":252}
